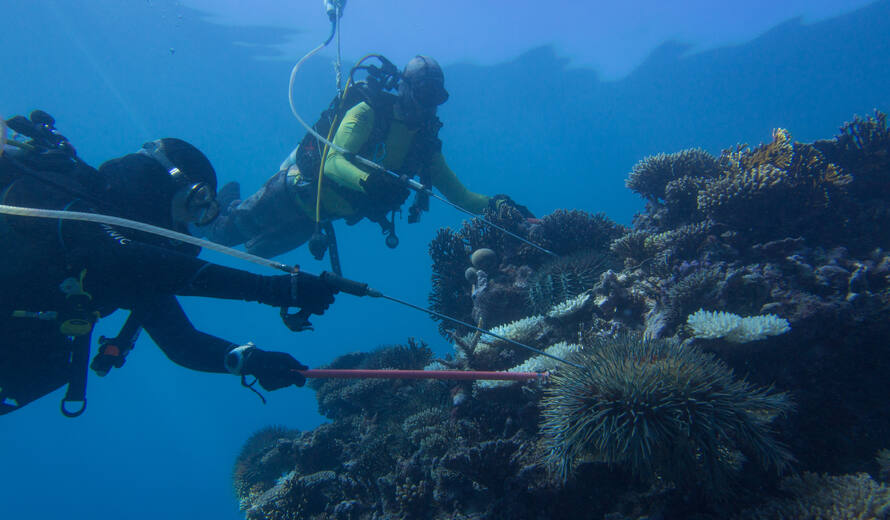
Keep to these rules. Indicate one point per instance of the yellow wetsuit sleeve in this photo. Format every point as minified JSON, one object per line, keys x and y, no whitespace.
{"x":353,"y":132}
{"x":447,"y":182}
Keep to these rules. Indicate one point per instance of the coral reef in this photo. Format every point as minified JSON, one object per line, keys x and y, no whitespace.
{"x":863,"y":149}
{"x":655,"y":424}
{"x":825,"y":497}
{"x":778,"y":188}
{"x":338,"y":398}
{"x":451,"y":293}
{"x":660,"y":411}
{"x":263,"y":459}
{"x":506,"y":292}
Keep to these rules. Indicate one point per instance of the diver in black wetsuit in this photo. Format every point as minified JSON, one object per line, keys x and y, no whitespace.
{"x":57,"y":277}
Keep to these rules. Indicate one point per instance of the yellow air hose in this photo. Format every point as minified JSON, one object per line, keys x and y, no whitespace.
{"x":324,"y":154}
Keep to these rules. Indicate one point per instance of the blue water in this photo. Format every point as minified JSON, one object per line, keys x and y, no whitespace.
{"x":159,"y":441}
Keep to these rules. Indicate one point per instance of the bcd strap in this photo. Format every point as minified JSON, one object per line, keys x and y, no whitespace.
{"x":77,"y":376}
{"x":76,"y":322}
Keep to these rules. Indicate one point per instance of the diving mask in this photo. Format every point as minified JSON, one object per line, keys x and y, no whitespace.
{"x":194,"y":202}
{"x":428,"y":92}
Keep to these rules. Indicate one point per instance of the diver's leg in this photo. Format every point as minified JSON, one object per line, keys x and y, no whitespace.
{"x":281,"y":239}
{"x":271,"y":210}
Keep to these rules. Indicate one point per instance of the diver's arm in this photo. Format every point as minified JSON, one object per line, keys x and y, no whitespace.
{"x":169,"y":327}
{"x":353,"y":132}
{"x":447,"y":182}
{"x":123,"y":266}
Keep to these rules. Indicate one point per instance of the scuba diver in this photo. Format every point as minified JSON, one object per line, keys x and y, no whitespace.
{"x":60,"y":276}
{"x":399,"y":132}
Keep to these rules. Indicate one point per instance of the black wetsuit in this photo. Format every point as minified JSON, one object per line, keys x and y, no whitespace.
{"x":121,"y":269}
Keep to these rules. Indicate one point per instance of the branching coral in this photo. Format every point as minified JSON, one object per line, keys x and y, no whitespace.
{"x":569,"y":307}
{"x":568,"y":232}
{"x":824,"y":497}
{"x":657,"y":409}
{"x":681,"y":199}
{"x":863,"y":149}
{"x":538,"y":363}
{"x":476,"y":234}
{"x":450,"y":294}
{"x":683,"y":241}
{"x":338,"y":398}
{"x":734,"y":328}
{"x":651,"y":176}
{"x":780,"y":182}
{"x":491,"y":352}
{"x":255,"y":470}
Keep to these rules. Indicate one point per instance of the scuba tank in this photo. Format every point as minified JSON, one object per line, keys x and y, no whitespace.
{"x":378,"y":88}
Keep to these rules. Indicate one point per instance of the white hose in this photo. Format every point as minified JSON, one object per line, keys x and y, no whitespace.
{"x":140,"y":226}
{"x":290,"y":98}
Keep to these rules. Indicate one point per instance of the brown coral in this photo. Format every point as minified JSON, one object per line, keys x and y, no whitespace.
{"x":776,"y":188}
{"x":450,"y":294}
{"x":863,"y":149}
{"x":254,"y":469}
{"x":651,"y":176}
{"x":565,"y":232}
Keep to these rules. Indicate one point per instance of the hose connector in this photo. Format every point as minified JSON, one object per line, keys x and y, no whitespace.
{"x":333,"y":7}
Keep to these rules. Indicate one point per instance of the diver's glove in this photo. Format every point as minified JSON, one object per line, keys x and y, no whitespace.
{"x":384,"y":192}
{"x":501,"y":202}
{"x":273,"y":370}
{"x":311,"y":293}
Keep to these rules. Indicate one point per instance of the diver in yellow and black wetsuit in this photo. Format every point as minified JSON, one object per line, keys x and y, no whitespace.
{"x":401,"y":136}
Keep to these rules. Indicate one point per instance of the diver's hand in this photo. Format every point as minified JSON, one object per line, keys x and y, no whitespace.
{"x":311,"y":293}
{"x":502,"y":202}
{"x":273,"y":370}
{"x":384,"y":192}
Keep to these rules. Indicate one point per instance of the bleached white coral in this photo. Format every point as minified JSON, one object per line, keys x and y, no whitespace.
{"x":569,"y":307}
{"x":712,"y":325}
{"x":537,"y":363}
{"x":520,"y":330}
{"x":734,"y":328}
{"x":436,"y":365}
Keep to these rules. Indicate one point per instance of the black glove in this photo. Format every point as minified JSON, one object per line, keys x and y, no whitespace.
{"x":499,"y":202}
{"x":384,"y":192}
{"x":311,"y":293}
{"x":273,"y":370}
